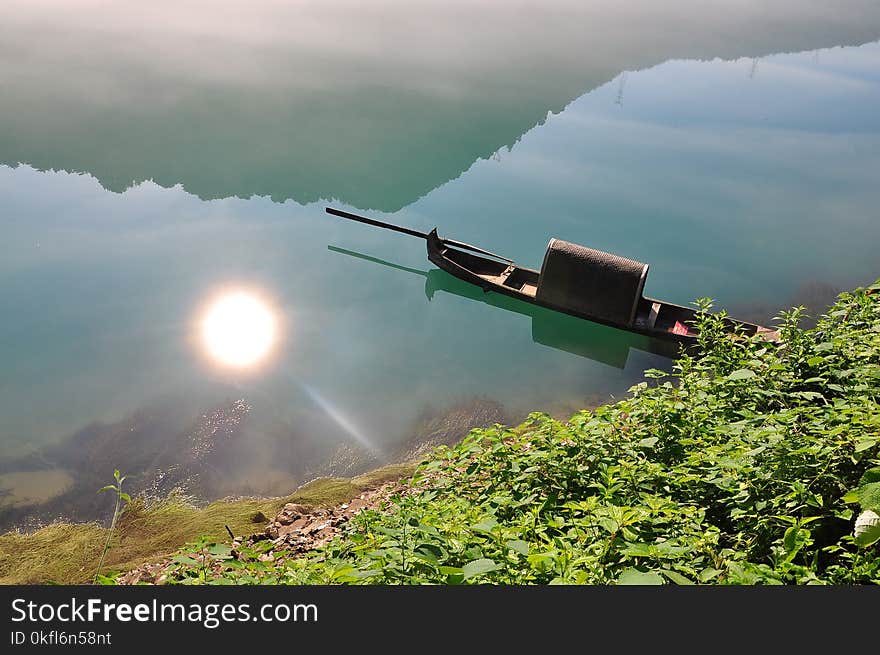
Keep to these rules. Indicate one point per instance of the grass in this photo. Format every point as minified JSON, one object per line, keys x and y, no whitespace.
{"x":66,"y":553}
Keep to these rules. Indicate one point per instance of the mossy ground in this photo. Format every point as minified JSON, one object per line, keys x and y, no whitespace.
{"x":65,"y":553}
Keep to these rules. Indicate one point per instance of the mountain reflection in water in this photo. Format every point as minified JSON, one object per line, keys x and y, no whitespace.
{"x":374,"y":104}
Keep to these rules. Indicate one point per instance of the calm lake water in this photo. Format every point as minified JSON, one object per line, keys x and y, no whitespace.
{"x":152,"y":155}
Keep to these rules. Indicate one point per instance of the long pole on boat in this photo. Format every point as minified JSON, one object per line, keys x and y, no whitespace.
{"x":370,"y":221}
{"x":412,"y":233}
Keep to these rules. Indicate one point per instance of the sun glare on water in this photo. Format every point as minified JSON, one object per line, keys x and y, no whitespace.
{"x":238,"y":329}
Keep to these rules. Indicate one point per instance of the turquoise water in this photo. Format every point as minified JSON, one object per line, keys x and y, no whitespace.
{"x":151,"y":158}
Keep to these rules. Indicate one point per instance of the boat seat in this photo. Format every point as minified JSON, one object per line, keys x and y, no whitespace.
{"x":502,"y":277}
{"x":591,"y":282}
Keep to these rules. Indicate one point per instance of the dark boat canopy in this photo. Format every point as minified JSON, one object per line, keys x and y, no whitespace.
{"x":591,"y":282}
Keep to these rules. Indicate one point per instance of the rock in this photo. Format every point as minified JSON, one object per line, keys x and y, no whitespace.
{"x":295,"y":509}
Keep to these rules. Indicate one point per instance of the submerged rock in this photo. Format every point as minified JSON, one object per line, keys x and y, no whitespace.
{"x":214,"y":455}
{"x":450,"y":427}
{"x":148,"y":446}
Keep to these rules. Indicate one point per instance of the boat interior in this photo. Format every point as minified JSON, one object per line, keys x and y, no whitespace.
{"x":664,"y":317}
{"x":524,"y":280}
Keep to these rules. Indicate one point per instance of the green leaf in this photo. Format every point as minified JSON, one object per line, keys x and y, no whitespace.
{"x":851,"y":496}
{"x":183,"y":559}
{"x":608,"y":524}
{"x":636,"y":577}
{"x":871,"y":475}
{"x":542,"y":561}
{"x":478,"y":567}
{"x":485,"y":526}
{"x":519,"y":546}
{"x":668,"y":549}
{"x":869,"y":496}
{"x":109,"y":487}
{"x":677,"y":577}
{"x":360,"y":575}
{"x":867,"y":529}
{"x":742,"y":374}
{"x":430,"y":552}
{"x":795,"y":538}
{"x":708,"y":573}
{"x":344,"y":571}
{"x":648,"y":442}
{"x":639,"y":550}
{"x":865,"y":444}
{"x":808,"y":395}
{"x":556,"y":522}
{"x":220,"y":550}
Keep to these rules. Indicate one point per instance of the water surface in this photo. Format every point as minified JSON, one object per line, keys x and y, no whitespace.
{"x":151,"y":157}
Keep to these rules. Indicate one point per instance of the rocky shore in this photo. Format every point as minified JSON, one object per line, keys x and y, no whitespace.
{"x":295,"y":530}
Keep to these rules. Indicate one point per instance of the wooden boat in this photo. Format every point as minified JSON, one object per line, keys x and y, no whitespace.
{"x":553,"y":329}
{"x":580,"y":281}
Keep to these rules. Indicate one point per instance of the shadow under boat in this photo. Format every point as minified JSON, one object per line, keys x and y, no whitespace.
{"x":574,"y":335}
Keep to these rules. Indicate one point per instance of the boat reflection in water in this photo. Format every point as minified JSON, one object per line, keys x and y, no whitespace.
{"x":578,"y":336}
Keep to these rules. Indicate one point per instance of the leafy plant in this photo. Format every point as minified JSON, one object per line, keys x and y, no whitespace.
{"x":867,"y":528}
{"x":122,"y":500}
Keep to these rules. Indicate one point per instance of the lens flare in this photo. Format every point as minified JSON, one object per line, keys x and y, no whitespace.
{"x":340,"y":419}
{"x":238,"y":329}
